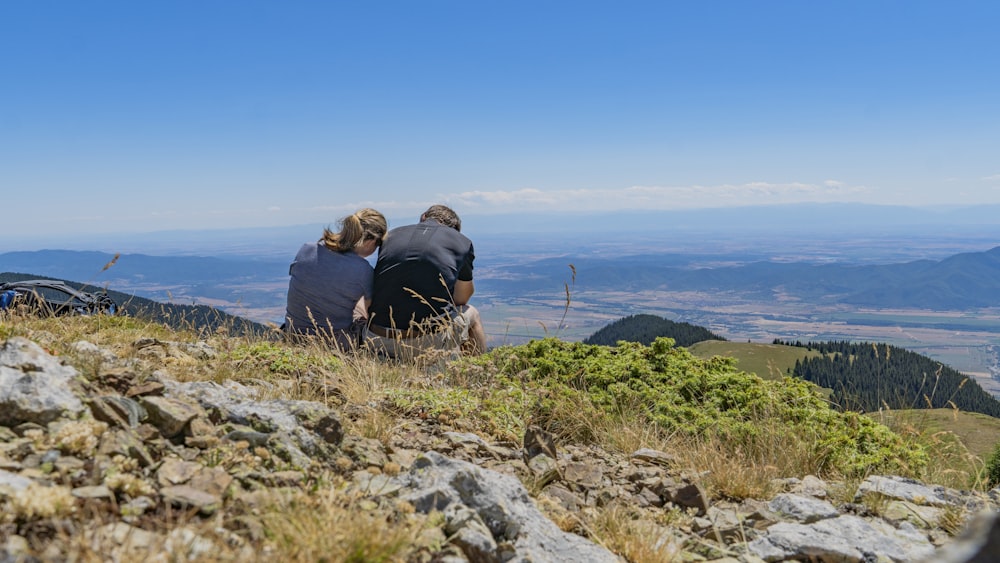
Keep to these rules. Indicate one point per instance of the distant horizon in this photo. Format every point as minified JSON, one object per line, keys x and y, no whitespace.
{"x":779,"y":229}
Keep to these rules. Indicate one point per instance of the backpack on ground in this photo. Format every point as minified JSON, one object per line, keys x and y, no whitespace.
{"x":51,"y":297}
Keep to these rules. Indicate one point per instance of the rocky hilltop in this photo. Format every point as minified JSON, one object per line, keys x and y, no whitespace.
{"x":165,"y":446}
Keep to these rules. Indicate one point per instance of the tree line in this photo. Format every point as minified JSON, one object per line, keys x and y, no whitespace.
{"x":867,"y":377}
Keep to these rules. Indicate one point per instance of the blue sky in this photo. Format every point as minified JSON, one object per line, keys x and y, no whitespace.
{"x":145,"y":116}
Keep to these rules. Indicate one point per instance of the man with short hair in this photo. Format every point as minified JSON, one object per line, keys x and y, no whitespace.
{"x":423,"y":283}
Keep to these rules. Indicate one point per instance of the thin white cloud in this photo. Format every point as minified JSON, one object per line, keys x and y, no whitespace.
{"x":656,"y":197}
{"x":992,"y":178}
{"x":580,"y":200}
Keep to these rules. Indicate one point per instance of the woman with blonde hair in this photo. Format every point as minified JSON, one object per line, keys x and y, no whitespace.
{"x":331,"y":280}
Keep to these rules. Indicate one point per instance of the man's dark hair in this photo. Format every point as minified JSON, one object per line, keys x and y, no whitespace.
{"x":444,"y":215}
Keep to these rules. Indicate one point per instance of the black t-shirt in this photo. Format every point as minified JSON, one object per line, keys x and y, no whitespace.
{"x":416,"y":272}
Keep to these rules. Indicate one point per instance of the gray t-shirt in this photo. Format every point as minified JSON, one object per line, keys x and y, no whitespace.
{"x":326,"y":285}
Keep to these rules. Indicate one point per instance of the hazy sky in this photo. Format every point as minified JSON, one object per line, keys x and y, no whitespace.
{"x":149,"y":115}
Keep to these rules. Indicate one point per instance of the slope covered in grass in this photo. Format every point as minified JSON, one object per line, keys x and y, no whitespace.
{"x":767,"y":361}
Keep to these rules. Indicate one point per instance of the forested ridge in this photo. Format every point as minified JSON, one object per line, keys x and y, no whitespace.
{"x":201,"y":318}
{"x":645,"y":328}
{"x":867,"y":376}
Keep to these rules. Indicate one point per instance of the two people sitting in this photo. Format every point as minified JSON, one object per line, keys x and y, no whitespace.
{"x":415,"y":300}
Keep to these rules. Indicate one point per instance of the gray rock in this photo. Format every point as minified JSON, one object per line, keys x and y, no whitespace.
{"x":189,"y":497}
{"x":460,"y":438}
{"x":200,"y":350}
{"x":544,"y":469}
{"x":16,"y":550}
{"x":538,"y":442}
{"x":368,"y":452}
{"x":654,"y":457}
{"x":93,"y":492}
{"x":845,"y":538}
{"x":126,"y":443}
{"x":801,"y":508}
{"x":647,"y":497}
{"x":91,"y":349}
{"x":174,"y":471}
{"x":13,"y":481}
{"x":727,"y":524}
{"x":170,"y":415}
{"x":690,"y":495}
{"x":252,"y":437}
{"x":812,"y":486}
{"x":101,"y":409}
{"x":297,"y":430}
{"x":34,"y":385}
{"x":564,"y":497}
{"x":922,"y":516}
{"x":502,"y":504}
{"x":128,"y":409}
{"x":470,"y":534}
{"x":586,"y":475}
{"x":905,"y":489}
{"x":376,"y":485}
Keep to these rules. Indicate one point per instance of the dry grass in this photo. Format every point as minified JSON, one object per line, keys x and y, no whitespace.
{"x":747,"y":467}
{"x":727,"y":472}
{"x":960,"y":442}
{"x":639,"y":541}
{"x":331,"y":526}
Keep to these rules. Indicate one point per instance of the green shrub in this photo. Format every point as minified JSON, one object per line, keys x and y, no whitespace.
{"x":685,"y":395}
{"x":992,"y":468}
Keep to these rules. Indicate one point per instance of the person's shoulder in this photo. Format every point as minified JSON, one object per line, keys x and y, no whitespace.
{"x":308,"y":248}
{"x":403,"y":228}
{"x":457,"y":235}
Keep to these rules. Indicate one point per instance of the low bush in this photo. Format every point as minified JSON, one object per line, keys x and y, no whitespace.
{"x":558,"y":384}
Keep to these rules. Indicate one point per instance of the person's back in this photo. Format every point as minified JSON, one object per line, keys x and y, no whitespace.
{"x":324,"y":288}
{"x":416,"y":272}
{"x":423,"y":283}
{"x":331,"y":282}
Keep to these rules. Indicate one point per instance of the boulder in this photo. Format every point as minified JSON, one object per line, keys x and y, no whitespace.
{"x":34,"y":385}
{"x":502,"y":505}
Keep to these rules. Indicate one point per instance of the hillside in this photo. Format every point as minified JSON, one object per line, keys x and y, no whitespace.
{"x":644,"y":329}
{"x":236,"y":283}
{"x":188,"y":447}
{"x":978,"y":433}
{"x":868,"y":377}
{"x":767,"y":361}
{"x":179,"y":317}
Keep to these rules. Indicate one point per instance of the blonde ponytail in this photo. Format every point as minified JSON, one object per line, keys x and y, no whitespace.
{"x":366,"y":223}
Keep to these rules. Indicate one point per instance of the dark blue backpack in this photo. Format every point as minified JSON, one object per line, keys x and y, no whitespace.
{"x":51,"y":297}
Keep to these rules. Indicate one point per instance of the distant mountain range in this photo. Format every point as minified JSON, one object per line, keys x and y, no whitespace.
{"x":168,"y":270}
{"x":963,"y":281}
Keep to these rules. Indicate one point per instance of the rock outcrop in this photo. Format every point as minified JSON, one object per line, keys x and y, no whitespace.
{"x":137,"y":448}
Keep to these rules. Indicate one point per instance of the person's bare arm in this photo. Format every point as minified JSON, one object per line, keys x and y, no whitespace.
{"x":463,"y":292}
{"x":361,"y":308}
